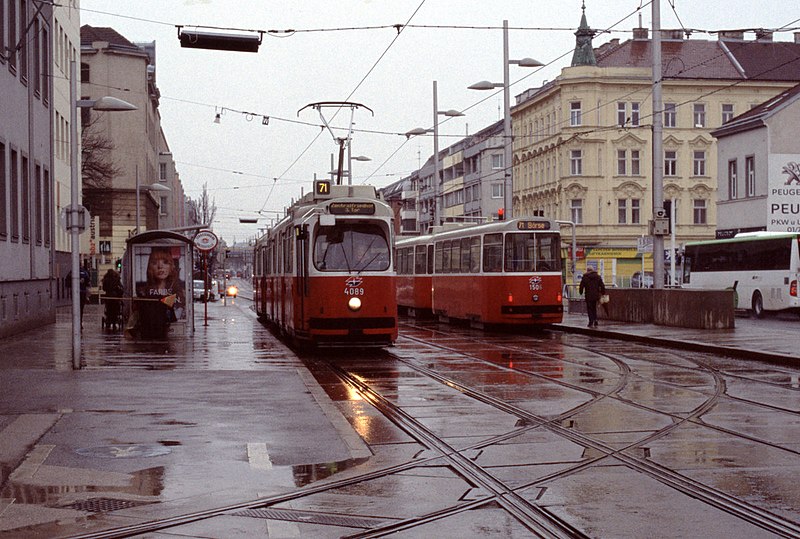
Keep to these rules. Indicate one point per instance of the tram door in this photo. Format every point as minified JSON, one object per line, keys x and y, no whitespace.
{"x":302,"y":291}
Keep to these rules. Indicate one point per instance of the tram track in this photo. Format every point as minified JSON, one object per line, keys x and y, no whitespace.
{"x":538,"y":520}
{"x":725,"y":502}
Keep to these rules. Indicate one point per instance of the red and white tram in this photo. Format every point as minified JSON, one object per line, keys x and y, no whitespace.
{"x":323,"y":275}
{"x":499,"y":273}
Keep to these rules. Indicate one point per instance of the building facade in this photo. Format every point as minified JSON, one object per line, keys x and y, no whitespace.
{"x":582,"y":143}
{"x":143,"y":169}
{"x":26,"y":166}
{"x":66,"y":43}
{"x":759,"y":172}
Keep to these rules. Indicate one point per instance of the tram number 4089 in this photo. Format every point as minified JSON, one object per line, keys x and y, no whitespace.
{"x":353,"y":291}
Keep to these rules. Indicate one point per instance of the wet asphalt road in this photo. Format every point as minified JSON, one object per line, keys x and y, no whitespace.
{"x":616,"y":439}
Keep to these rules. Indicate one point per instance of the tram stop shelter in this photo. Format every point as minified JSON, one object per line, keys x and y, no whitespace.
{"x":157,"y":279}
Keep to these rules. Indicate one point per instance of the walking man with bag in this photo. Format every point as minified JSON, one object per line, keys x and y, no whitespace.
{"x":592,"y":285}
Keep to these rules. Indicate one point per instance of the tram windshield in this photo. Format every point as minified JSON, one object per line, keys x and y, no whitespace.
{"x":525,"y":251}
{"x":351,"y":247}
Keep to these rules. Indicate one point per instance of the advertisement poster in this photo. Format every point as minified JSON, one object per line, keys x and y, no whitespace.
{"x":783,"y":200}
{"x":159,"y":274}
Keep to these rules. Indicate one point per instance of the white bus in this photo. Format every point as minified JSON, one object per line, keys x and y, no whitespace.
{"x":762,"y":267}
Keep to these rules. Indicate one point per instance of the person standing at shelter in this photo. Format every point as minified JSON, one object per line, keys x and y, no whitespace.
{"x":592,"y":284}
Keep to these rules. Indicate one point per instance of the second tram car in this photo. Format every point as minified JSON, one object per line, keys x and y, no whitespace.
{"x":499,"y":273}
{"x":323,"y":275}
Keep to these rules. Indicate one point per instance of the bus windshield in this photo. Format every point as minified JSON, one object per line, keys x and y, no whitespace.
{"x":351,"y":246}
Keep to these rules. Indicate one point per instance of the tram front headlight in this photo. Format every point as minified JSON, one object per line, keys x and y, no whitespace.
{"x":354,"y":304}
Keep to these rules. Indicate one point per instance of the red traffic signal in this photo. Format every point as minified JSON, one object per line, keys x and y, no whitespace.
{"x":501,"y":214}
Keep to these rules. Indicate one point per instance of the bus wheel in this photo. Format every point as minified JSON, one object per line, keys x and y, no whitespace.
{"x":758,"y":305}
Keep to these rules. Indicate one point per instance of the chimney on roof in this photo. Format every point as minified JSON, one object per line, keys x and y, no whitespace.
{"x":640,"y":34}
{"x":764,"y":36}
{"x":730,"y":35}
{"x":797,"y":38}
{"x":673,"y":35}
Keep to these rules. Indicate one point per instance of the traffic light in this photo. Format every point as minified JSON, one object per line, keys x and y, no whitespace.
{"x":118,"y":264}
{"x":501,"y":214}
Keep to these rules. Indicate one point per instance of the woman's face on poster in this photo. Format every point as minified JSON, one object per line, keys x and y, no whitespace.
{"x":160,"y":267}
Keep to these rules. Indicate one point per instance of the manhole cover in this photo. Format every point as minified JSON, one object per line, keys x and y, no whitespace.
{"x":310,"y":517}
{"x":104,"y":505}
{"x":124,"y":451}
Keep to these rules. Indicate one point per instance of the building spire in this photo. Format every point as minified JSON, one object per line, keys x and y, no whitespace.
{"x":584,"y":52}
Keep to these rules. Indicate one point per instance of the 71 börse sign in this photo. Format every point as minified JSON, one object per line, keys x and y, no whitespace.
{"x":205,"y":240}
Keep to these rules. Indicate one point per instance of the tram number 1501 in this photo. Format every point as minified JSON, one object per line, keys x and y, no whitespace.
{"x":353,"y":291}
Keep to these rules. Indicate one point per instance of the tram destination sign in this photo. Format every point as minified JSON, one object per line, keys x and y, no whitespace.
{"x":533,"y":225}
{"x":352,"y":208}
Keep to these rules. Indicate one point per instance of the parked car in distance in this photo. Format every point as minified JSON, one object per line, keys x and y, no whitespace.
{"x":198,"y":290}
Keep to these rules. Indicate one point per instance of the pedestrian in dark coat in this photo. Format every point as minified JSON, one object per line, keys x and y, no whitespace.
{"x":592,"y":284}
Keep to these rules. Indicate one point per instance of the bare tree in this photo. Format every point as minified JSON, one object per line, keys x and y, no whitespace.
{"x":204,"y":209}
{"x":97,"y":168}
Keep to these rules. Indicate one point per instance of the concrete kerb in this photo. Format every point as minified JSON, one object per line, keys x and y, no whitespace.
{"x":693,"y":346}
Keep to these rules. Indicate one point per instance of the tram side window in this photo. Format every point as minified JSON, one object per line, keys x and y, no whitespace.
{"x":438,"y":257}
{"x":455,"y":257}
{"x":492,"y":252}
{"x":475,"y":255}
{"x":466,"y":247}
{"x":446,"y":247}
{"x":420,"y":259}
{"x":430,"y":259}
{"x":405,"y":260}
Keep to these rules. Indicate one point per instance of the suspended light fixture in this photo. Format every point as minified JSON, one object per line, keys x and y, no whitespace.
{"x":197,"y":39}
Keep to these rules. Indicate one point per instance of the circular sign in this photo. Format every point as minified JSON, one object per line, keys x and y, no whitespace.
{"x":205,"y":240}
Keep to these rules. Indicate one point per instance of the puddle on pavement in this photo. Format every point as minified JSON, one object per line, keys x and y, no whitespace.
{"x":147,"y":482}
{"x":305,"y":474}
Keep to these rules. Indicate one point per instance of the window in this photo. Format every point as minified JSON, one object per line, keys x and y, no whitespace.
{"x":12,"y":36}
{"x":622,"y":211}
{"x":699,"y":163}
{"x":37,"y":81}
{"x":23,"y":52}
{"x":497,"y":190}
{"x":162,"y":172}
{"x":37,"y":204}
{"x":3,"y":217}
{"x":492,"y":252}
{"x":635,"y":163}
{"x":727,"y":112}
{"x":635,"y":114}
{"x":85,"y":72}
{"x":699,"y":211}
{"x":576,"y":162}
{"x":750,"y":175}
{"x":162,"y":205}
{"x":670,"y":115}
{"x":45,"y":71}
{"x":351,"y":246}
{"x":622,"y":113}
{"x":636,"y":214}
{"x":732,"y":190}
{"x":47,"y":207}
{"x":14,"y":202}
{"x":576,"y":210}
{"x":575,"y":113}
{"x":26,"y":201}
{"x":2,"y":31}
{"x":670,"y":163}
{"x":622,"y":162}
{"x":497,"y":161}
{"x":699,"y":115}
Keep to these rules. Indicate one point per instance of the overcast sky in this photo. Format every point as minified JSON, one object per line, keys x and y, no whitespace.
{"x":350,"y":50}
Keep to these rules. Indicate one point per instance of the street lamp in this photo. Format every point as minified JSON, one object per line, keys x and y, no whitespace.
{"x":151,"y":187}
{"x":75,"y":210}
{"x":437,"y":187}
{"x":507,"y":143}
